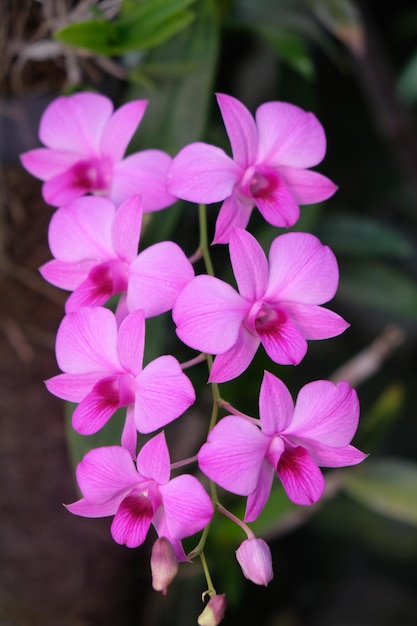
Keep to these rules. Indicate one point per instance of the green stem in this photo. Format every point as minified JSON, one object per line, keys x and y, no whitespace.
{"x":204,"y":247}
{"x":210,"y":587}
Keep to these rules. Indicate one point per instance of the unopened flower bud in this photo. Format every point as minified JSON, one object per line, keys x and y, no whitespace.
{"x":254,"y":557}
{"x":164,"y":564}
{"x":214,"y":611}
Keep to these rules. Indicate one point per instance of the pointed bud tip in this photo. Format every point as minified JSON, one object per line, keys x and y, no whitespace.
{"x":164,"y":565}
{"x":214,"y":611}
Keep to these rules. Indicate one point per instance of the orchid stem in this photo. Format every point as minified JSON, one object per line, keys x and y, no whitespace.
{"x":204,"y":248}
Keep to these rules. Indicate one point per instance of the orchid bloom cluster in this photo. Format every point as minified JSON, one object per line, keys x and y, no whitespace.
{"x":94,"y":236}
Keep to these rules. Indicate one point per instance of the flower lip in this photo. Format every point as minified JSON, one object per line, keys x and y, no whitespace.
{"x":259,"y":182}
{"x":92,"y":175}
{"x":262,"y":318}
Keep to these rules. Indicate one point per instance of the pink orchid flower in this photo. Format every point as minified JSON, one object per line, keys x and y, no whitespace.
{"x":85,"y":143}
{"x":96,"y":256}
{"x":269,"y":169}
{"x":277,"y":305}
{"x":103,"y":371}
{"x":142,"y":495}
{"x":292,"y":442}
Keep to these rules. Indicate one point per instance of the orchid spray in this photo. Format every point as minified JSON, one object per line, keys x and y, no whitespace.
{"x":101,"y":197}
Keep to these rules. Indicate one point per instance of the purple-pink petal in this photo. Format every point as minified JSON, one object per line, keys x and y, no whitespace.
{"x":157,"y":276}
{"x":73,"y":387}
{"x":326,"y":413}
{"x":315,"y":322}
{"x":282,"y":341}
{"x":132,"y":521}
{"x":87,"y":509}
{"x":302,"y":269}
{"x":257,"y":499}
{"x":143,"y":173}
{"x":208,"y":314}
{"x":94,"y":291}
{"x":276,"y":406}
{"x":126,"y":228}
{"x":106,"y":473}
{"x":237,"y":359}
{"x":187,"y":507}
{"x":278,"y":207}
{"x":249,"y":263}
{"x":64,"y":188}
{"x":233,"y":455}
{"x":65,"y":274}
{"x":329,"y":456}
{"x":241,"y":129}
{"x":75,"y":123}
{"x":234,"y":213}
{"x":163,"y":393}
{"x":83,"y":230}
{"x":307,"y":187}
{"x":153,"y":460}
{"x":289,"y":135}
{"x":129,"y":436}
{"x":44,"y":163}
{"x":87,"y":342}
{"x":95,"y":410}
{"x":131,"y":342}
{"x":300,"y":476}
{"x":203,"y":173}
{"x":120,"y":129}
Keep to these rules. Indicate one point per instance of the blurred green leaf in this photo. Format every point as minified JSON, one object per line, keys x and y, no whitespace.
{"x":343,"y":20}
{"x":362,"y":236}
{"x":407,"y":82}
{"x":139,"y":26}
{"x":380,"y":287}
{"x":387,"y":486}
{"x":178,"y":103}
{"x":291,"y":48}
{"x":380,"y":417}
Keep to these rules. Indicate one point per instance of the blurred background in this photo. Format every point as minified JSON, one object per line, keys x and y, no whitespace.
{"x":351,"y":560}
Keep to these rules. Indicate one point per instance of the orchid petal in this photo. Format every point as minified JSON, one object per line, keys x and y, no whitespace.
{"x":63,"y":189}
{"x":75,"y":123}
{"x":163,"y":393}
{"x":44,"y":163}
{"x":233,"y":455}
{"x":65,"y":274}
{"x":326,"y":413}
{"x":300,"y":476}
{"x":208,"y":314}
{"x":249,"y":263}
{"x":188,"y":508}
{"x":157,"y":276}
{"x":329,"y":456}
{"x":126,"y":228}
{"x":276,"y":406}
{"x":307,"y":187}
{"x":143,"y":173}
{"x":279,"y":207}
{"x":132,"y":521}
{"x":131,"y":342}
{"x":73,"y":387}
{"x":106,"y":473}
{"x":153,"y":460}
{"x":87,"y":342}
{"x":283,"y":342}
{"x":82,"y":230}
{"x":237,"y":359}
{"x":86,"y":509}
{"x":257,"y":499}
{"x":289,"y":136}
{"x":315,"y":322}
{"x":120,"y":129}
{"x":234,"y":213}
{"x":91,"y":292}
{"x":203,"y":173}
{"x":241,"y":129}
{"x":302,"y":269}
{"x":95,"y":410}
{"x":130,"y":434}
